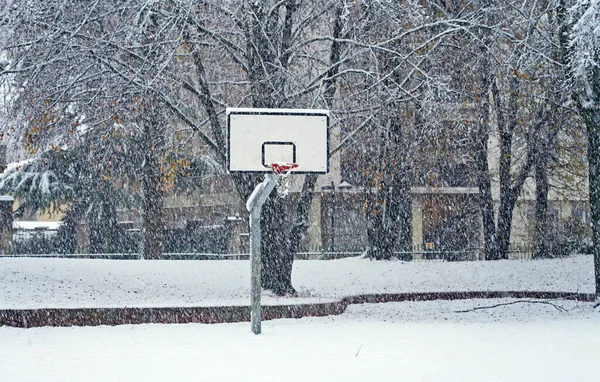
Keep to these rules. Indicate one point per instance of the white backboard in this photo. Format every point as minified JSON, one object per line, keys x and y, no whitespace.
{"x":260,"y":137}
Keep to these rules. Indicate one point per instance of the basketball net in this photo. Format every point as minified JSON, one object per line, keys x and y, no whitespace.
{"x":283,"y":169}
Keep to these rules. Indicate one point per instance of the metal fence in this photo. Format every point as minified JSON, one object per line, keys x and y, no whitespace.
{"x":210,"y":243}
{"x":517,"y":251}
{"x":134,"y":256}
{"x":193,"y":241}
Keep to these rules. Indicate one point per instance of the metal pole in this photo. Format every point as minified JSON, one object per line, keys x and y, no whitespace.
{"x":332,"y":218}
{"x":255,"y":271}
{"x":6,"y":209}
{"x":2,"y":158}
{"x":254,"y":206}
{"x":6,"y":224}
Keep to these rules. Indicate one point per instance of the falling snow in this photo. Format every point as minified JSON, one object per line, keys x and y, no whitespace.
{"x":440,"y":215}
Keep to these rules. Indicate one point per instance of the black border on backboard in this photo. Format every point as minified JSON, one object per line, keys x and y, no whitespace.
{"x":275,"y":112}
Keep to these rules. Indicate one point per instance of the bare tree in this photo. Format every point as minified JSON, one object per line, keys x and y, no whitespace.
{"x":143,"y":64}
{"x":584,"y":59}
{"x":403,"y":89}
{"x":516,"y":51}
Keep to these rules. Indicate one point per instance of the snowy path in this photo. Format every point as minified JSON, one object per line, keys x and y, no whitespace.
{"x":79,"y":283}
{"x":380,"y":342}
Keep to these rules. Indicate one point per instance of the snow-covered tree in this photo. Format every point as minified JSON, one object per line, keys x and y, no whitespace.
{"x":382,"y":68}
{"x":518,"y":90}
{"x":102,"y":67}
{"x":584,"y":59}
{"x":66,"y":181}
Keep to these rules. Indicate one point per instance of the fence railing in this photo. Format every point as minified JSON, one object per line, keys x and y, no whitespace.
{"x":135,"y":256}
{"x":200,"y":239}
{"x":416,"y":253}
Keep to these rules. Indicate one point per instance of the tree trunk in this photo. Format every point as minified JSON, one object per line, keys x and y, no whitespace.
{"x":541,"y":234}
{"x":592,"y":121}
{"x":404,"y":242}
{"x":276,"y":258}
{"x":6,"y":224}
{"x":591,"y":118}
{"x":486,"y":203}
{"x":301,"y":215}
{"x":505,"y":215}
{"x":507,"y":198}
{"x":388,"y":209}
{"x":509,"y":189}
{"x":152,"y":194}
{"x":152,"y":212}
{"x":541,"y":212}
{"x":103,"y":225}
{"x":389,"y":220}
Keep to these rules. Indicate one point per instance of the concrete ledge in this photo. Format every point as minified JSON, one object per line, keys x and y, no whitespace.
{"x":29,"y":318}
{"x":428,"y":296}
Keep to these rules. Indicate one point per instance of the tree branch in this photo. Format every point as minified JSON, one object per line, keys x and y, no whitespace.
{"x":558,"y":307}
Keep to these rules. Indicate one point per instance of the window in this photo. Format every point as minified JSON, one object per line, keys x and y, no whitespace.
{"x":581,"y":215}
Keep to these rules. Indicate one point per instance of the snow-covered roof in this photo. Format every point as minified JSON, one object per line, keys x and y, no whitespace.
{"x":444,"y":190}
{"x":11,"y":166}
{"x":31,"y":225}
{"x":346,"y":185}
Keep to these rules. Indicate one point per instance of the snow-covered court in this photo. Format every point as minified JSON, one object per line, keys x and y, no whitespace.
{"x":410,"y":341}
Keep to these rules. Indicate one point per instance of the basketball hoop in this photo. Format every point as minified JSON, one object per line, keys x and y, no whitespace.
{"x":283,"y":168}
{"x":272,"y":142}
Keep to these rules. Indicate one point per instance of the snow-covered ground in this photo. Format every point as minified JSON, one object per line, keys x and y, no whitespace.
{"x":410,"y":341}
{"x":76,"y":283}
{"x":467,"y":341}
